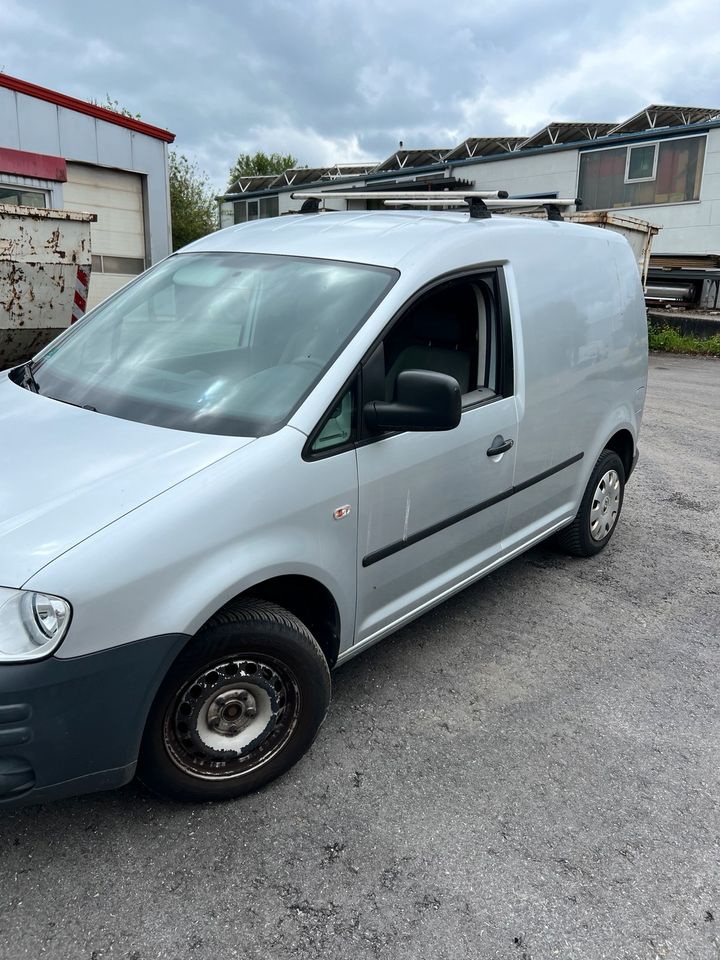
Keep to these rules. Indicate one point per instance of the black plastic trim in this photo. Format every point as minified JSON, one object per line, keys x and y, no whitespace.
{"x":506,"y":379}
{"x":81,"y":719}
{"x":310,"y":455}
{"x":399,"y":545}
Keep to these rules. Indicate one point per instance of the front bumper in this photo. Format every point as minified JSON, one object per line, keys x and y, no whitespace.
{"x":74,"y":726}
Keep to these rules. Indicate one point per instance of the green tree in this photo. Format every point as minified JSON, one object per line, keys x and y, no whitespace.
{"x":260,"y":164}
{"x":192,"y":202}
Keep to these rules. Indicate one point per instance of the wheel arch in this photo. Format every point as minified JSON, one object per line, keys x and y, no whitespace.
{"x":622,"y":443}
{"x":306,"y":598}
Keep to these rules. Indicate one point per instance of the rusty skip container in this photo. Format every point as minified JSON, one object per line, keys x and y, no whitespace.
{"x":44,"y":275}
{"x":638,"y":233}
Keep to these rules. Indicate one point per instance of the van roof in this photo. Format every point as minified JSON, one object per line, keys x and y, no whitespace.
{"x":385,"y":237}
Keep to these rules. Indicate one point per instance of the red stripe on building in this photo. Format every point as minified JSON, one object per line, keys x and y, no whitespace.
{"x":37,"y":165}
{"x":79,"y":301}
{"x":81,"y":106}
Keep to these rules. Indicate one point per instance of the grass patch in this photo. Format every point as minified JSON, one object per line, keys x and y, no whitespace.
{"x":672,"y":341}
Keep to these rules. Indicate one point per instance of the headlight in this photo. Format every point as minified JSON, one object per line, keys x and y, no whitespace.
{"x":32,"y":624}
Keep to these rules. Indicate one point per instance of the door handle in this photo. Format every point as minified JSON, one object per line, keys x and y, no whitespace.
{"x":499,"y":446}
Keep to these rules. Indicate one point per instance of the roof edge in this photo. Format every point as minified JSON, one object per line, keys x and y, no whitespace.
{"x":82,"y":106}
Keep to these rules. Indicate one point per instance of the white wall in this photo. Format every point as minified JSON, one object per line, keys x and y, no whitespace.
{"x":555,"y":172}
{"x":40,"y":127}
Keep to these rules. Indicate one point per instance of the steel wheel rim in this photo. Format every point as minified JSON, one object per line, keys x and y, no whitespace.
{"x":232,"y":717}
{"x":605,"y":505}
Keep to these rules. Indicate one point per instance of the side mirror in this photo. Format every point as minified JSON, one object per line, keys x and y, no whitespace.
{"x":425,"y":400}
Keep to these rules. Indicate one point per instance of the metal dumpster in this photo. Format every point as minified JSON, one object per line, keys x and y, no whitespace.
{"x":638,"y":233}
{"x":44,"y":275}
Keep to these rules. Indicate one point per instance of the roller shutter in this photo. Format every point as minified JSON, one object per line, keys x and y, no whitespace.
{"x":118,"y":237}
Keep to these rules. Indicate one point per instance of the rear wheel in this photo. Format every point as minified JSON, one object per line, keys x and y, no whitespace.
{"x":599,"y":511}
{"x":239,"y":707}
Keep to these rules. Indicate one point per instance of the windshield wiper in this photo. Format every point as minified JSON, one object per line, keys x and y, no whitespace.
{"x":70,"y":403}
{"x":28,"y":380}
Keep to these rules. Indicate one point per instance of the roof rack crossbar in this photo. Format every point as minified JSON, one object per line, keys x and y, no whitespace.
{"x":458,"y":200}
{"x":480,"y":203}
{"x":398,"y":194}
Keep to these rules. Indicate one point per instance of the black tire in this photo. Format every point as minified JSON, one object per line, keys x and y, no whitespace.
{"x":219,"y":729}
{"x":577,"y":539}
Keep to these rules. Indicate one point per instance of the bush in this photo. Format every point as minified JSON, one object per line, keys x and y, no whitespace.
{"x":671,"y":340}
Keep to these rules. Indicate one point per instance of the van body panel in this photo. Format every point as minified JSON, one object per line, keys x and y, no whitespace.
{"x":245,"y":520}
{"x":582,"y":352}
{"x":67,"y":472}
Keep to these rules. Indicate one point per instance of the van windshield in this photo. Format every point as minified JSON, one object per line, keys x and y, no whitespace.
{"x":221,"y":343}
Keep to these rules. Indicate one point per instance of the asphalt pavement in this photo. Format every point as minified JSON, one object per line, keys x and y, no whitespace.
{"x":531,"y":770}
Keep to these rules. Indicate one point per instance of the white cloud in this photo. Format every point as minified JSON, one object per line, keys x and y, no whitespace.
{"x":332,"y":81}
{"x":648,"y":62}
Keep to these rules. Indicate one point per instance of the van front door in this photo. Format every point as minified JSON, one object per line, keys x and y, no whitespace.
{"x":432,"y":506}
{"x":431,"y":512}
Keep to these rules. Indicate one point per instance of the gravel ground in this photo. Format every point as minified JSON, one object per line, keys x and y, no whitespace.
{"x":532,"y":770}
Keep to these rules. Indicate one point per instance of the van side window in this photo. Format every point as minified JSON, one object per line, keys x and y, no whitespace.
{"x":452,"y":329}
{"x":338,"y":429}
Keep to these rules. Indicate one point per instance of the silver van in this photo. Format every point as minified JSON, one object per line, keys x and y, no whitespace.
{"x":272,"y":450}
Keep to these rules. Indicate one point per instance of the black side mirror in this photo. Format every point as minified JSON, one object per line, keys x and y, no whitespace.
{"x":425,"y":400}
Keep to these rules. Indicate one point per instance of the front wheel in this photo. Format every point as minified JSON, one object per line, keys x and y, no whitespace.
{"x":599,"y":510}
{"x":239,"y":707}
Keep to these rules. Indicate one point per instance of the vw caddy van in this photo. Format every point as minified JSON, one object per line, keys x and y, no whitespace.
{"x":272,"y":450}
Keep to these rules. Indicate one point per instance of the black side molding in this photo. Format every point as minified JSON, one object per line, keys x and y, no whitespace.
{"x":399,"y":545}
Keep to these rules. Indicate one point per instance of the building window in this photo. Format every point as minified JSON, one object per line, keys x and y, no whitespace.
{"x":668,"y":171}
{"x":641,"y":163}
{"x":127,"y":266}
{"x":21,"y":197}
{"x":256,"y":209}
{"x":269,"y":207}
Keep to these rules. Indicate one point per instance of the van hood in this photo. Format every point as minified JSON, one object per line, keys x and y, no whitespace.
{"x":65,"y":472}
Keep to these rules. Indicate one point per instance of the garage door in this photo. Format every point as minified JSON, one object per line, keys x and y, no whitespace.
{"x":118,"y":237}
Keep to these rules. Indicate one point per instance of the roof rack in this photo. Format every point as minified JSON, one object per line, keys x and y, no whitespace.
{"x":398,"y":194}
{"x":480,"y":203}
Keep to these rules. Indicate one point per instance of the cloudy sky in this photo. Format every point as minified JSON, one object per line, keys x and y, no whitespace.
{"x":331,"y":80}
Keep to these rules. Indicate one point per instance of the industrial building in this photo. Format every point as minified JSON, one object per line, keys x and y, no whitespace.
{"x":661,"y":165}
{"x":60,"y":152}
